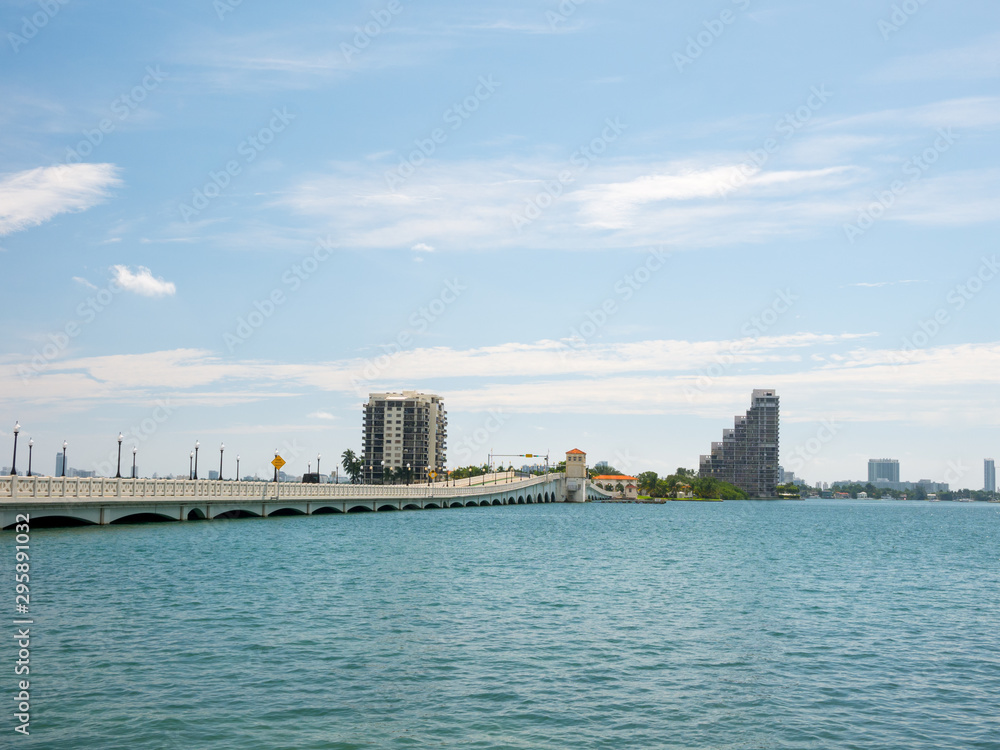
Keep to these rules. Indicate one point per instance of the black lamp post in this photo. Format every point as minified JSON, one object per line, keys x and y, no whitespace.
{"x":196,"y":446}
{"x":276,"y":466}
{"x":237,"y":467}
{"x":64,"y":458}
{"x":31,"y":444}
{"x":13,"y":464}
{"x":119,"y":474}
{"x":135,"y":450}
{"x":407,"y":475}
{"x":318,"y":457}
{"x":222,"y":449}
{"x":191,"y":465}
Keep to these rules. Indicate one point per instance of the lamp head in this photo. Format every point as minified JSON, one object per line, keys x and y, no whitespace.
{"x":65,"y":444}
{"x":17,"y":427}
{"x":120,"y":438}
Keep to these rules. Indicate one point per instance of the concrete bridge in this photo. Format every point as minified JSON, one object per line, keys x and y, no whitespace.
{"x":63,"y":501}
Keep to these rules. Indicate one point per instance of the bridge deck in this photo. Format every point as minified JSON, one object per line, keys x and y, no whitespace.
{"x":104,"y":501}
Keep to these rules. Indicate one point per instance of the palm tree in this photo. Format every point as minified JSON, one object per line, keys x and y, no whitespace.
{"x":352,"y":465}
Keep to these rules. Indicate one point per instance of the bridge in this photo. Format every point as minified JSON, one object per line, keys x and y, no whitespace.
{"x":63,"y":501}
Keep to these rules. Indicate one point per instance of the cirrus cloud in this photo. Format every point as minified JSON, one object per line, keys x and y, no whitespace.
{"x":35,"y":196}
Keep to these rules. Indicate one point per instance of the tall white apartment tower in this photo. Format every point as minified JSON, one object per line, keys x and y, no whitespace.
{"x":989,"y":475}
{"x":404,"y":430}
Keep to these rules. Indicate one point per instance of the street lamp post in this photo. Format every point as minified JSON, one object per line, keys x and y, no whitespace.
{"x":197,"y":445}
{"x":237,"y":467}
{"x":135,"y":450}
{"x":118,"y":474}
{"x":191,"y":465}
{"x":222,"y":448}
{"x":383,"y":472}
{"x":275,"y":466}
{"x":318,"y":457}
{"x":64,"y":458}
{"x":407,"y":475}
{"x":31,"y":444}
{"x":13,"y":464}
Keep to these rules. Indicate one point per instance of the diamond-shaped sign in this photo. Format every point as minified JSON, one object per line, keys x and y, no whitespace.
{"x":278,"y":462}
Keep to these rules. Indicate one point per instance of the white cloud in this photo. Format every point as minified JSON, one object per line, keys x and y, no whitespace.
{"x":422,"y":247}
{"x":83,"y":282}
{"x":35,"y":196}
{"x":142,"y":282}
{"x":813,"y":372}
{"x":322,"y":415}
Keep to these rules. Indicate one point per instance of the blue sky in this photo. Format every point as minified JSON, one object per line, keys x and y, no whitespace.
{"x":604,"y":222}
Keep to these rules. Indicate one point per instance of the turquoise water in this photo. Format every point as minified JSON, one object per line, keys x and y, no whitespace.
{"x":818,"y":624}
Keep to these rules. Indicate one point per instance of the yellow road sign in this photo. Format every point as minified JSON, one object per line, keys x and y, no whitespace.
{"x":278,"y":462}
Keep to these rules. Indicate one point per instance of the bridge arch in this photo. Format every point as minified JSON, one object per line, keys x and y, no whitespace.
{"x":520,"y":500}
{"x":411,"y":506}
{"x":457,"y":504}
{"x":498,"y":501}
{"x":286,"y":512}
{"x":237,"y":513}
{"x":386,"y":508}
{"x":196,"y":514}
{"x":54,"y":522}
{"x":327,"y":510}
{"x":146,"y":517}
{"x":359,"y":509}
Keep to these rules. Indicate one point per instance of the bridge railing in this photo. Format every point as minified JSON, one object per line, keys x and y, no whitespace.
{"x":87,"y":488}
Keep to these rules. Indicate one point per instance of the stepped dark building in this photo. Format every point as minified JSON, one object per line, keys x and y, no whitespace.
{"x":748,"y":454}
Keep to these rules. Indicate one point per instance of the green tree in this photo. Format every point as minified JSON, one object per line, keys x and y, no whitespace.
{"x":647,"y":483}
{"x":353,"y":466}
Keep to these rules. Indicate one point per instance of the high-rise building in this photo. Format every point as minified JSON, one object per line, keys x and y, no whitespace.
{"x":59,"y":466}
{"x":404,"y":429}
{"x":989,"y":475}
{"x":883,"y":470}
{"x":748,"y":454}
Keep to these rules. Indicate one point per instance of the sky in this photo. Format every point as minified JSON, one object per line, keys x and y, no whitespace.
{"x":585,"y":224}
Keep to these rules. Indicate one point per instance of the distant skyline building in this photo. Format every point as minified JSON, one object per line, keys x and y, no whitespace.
{"x":883,"y":470}
{"x":989,"y":475}
{"x":747,"y":456}
{"x":404,"y":429}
